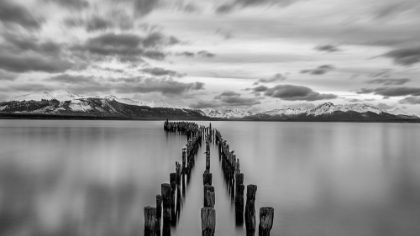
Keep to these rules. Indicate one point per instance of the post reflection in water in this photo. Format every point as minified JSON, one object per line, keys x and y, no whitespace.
{"x":86,"y":178}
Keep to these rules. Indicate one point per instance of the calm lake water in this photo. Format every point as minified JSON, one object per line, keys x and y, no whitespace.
{"x":95,"y":177}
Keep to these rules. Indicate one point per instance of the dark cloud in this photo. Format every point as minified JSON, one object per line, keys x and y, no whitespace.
{"x":296,"y":93}
{"x":204,"y":53}
{"x":153,"y":39}
{"x":144,"y":7}
{"x":224,"y":8}
{"x":157,"y":71}
{"x":391,"y":91}
{"x":328,"y":48}
{"x":164,"y":86}
{"x":20,"y":43}
{"x":11,"y":13}
{"x":71,"y":4}
{"x":319,"y":70}
{"x":230,"y":98}
{"x":186,"y":54}
{"x":153,"y":54}
{"x":260,"y":88}
{"x":410,"y":100}
{"x":228,"y":94}
{"x":113,"y":20}
{"x":26,"y":63}
{"x":228,"y":7}
{"x":275,"y":78}
{"x":97,"y":23}
{"x":127,"y":47}
{"x":389,"y":81}
{"x":405,"y":56}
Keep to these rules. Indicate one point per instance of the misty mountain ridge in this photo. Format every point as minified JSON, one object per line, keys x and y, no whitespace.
{"x":64,"y":103}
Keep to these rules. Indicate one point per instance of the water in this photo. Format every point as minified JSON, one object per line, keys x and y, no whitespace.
{"x":95,"y":177}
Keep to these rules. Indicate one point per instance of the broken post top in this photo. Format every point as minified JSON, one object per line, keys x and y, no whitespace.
{"x":251,"y":191}
{"x":266,"y":217}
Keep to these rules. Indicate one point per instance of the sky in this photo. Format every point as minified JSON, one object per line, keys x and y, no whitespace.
{"x":252,"y":55}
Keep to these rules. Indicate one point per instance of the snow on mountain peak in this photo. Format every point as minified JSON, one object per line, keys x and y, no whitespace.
{"x":228,"y":113}
{"x":60,"y":95}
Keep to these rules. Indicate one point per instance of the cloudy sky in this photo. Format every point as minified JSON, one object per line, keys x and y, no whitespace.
{"x":244,"y":54}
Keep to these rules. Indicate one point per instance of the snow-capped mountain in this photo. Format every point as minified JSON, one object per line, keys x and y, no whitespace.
{"x":63,"y":96}
{"x":330,"y":111}
{"x":228,"y":114}
{"x":329,"y":108}
{"x":63,"y":103}
{"x":288,"y":111}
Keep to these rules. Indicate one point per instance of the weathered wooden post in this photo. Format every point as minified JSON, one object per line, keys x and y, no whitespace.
{"x":208,"y":221}
{"x":266,"y":220}
{"x":207,"y":161}
{"x":184,"y":159}
{"x":208,"y":188}
{"x":178,"y":201}
{"x":207,"y":178}
{"x":150,"y":221}
{"x":250,"y":207}
{"x":178,"y":173}
{"x":239,"y":204}
{"x":166,"y":193}
{"x":172,"y":177}
{"x":158,"y":213}
{"x":210,"y":199}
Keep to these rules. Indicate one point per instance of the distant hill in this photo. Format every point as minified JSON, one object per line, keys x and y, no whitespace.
{"x":65,"y":105}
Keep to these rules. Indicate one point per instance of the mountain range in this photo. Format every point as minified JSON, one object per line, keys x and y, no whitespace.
{"x":66,"y":105}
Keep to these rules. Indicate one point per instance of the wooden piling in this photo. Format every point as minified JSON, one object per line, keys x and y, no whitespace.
{"x":178,"y":173}
{"x":239,"y":205}
{"x":158,"y":207}
{"x":166,"y":193}
{"x":207,"y":161}
{"x":210,"y":199}
{"x":266,"y":220}
{"x":150,"y":221}
{"x":250,"y":207}
{"x":184,"y":159}
{"x":208,"y":221}
{"x":207,"y":178}
{"x":158,"y":213}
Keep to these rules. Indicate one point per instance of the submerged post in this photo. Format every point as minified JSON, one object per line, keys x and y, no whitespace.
{"x":166,"y":199}
{"x":250,"y":207}
{"x":266,"y":220}
{"x":208,"y":221}
{"x":149,"y":221}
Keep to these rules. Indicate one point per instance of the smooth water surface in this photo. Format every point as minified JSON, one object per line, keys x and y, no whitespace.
{"x":95,"y":177}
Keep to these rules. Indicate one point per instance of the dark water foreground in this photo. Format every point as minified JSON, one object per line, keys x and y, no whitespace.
{"x":95,"y":177}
